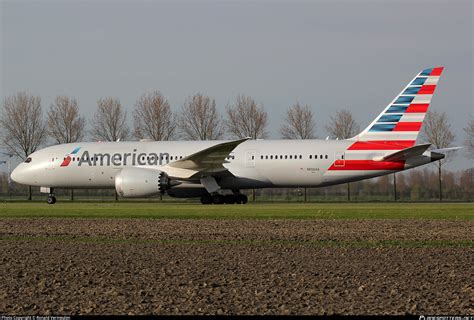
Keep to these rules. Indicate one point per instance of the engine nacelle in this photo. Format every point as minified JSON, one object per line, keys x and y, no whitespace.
{"x":141,"y":182}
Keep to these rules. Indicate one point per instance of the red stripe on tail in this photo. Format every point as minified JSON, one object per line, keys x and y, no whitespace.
{"x":427,"y":89}
{"x":436,"y":71}
{"x":382,"y":145}
{"x":408,"y":126}
{"x":418,"y":108}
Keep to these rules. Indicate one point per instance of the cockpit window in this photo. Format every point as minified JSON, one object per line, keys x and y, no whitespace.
{"x":28,"y":160}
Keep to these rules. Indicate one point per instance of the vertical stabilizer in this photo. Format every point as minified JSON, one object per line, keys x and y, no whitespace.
{"x":400,"y":122}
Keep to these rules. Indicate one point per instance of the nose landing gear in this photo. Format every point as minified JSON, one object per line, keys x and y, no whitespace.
{"x":51,"y":197}
{"x":51,"y":200}
{"x":50,"y":192}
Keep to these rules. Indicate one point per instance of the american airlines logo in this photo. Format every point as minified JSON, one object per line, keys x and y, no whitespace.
{"x":117,"y":159}
{"x":69,"y":157}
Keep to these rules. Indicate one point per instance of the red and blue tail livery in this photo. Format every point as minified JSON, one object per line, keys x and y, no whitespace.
{"x":399,"y":124}
{"x":396,"y":128}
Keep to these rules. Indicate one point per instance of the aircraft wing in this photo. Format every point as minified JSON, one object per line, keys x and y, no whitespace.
{"x":405,"y":154}
{"x":204,"y":162}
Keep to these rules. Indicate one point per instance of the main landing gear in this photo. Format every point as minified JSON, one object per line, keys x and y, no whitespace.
{"x":237,"y":198}
{"x":51,"y":197}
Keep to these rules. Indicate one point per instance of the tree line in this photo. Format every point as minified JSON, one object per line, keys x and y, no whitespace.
{"x":24,"y":128}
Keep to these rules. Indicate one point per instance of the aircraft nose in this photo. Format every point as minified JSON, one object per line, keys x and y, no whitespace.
{"x":17,"y":175}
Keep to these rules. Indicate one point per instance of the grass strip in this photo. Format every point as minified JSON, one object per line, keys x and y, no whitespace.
{"x":458,"y":211}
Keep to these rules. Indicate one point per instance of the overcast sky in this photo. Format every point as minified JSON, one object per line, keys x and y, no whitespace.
{"x":330,"y":55}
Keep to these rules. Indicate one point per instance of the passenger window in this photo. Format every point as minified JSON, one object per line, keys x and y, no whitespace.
{"x":301,"y":157}
{"x":28,"y":160}
{"x":291,"y":157}
{"x":253,"y":157}
{"x":266,"y":157}
{"x":321,"y":156}
{"x":261,"y":157}
{"x":326,"y":156}
{"x":271,"y":157}
{"x":310,"y":156}
{"x":286,"y":157}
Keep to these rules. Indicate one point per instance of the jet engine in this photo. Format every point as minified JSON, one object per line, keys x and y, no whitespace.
{"x":142,"y":182}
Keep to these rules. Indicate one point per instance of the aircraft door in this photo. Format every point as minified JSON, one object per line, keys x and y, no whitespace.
{"x":250,"y":159}
{"x":340,"y":160}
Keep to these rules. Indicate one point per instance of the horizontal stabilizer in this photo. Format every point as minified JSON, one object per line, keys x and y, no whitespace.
{"x":443,"y":150}
{"x":405,"y":154}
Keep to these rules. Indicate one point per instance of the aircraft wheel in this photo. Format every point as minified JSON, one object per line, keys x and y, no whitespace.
{"x":230,"y":199}
{"x":206,"y":199}
{"x":51,"y":200}
{"x":218,"y":199}
{"x":242,"y":198}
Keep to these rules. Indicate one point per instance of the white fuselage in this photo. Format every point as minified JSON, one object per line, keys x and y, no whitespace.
{"x":252,"y":164}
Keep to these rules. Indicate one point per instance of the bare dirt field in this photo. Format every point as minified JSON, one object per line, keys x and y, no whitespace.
{"x":155,"y":266}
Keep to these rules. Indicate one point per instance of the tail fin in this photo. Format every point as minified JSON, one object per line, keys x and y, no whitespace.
{"x":400,"y":122}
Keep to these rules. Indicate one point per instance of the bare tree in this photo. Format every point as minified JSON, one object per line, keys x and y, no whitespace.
{"x":65,"y":125}
{"x":343,"y":126}
{"x":109,"y":123}
{"x":469,"y":130}
{"x":200,"y":119}
{"x":153,"y":117}
{"x":299,"y":123}
{"x":246,"y":119}
{"x":22,"y":126}
{"x":437,"y":131}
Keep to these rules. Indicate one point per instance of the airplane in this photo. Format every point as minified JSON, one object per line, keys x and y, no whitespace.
{"x":217,"y":171}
